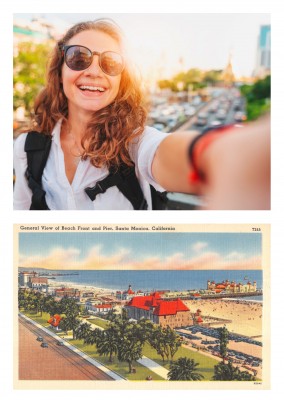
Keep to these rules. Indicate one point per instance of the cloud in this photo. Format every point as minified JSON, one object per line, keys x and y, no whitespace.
{"x":72,"y":259}
{"x":61,"y":258}
{"x":58,"y":258}
{"x":198,"y":246}
{"x":234,"y":256}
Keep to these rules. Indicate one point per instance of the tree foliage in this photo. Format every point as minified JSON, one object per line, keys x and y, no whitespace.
{"x":257,"y":97}
{"x":184,"y":369}
{"x":107,"y":343}
{"x":194,"y":78}
{"x":165,"y":341}
{"x":29,"y":72}
{"x":224,"y":340}
{"x":227,"y":372}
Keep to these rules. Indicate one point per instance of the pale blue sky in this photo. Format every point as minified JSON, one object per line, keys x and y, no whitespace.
{"x":158,"y":41}
{"x":140,"y":250}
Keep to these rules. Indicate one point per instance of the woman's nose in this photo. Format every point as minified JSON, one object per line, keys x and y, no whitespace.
{"x":95,"y":68}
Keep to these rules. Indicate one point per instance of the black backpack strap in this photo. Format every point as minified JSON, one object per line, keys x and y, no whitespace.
{"x":126,"y":181}
{"x":159,"y":199}
{"x":37,"y":147}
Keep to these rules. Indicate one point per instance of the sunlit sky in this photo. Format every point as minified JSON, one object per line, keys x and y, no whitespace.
{"x":139,"y":251}
{"x":163,"y":44}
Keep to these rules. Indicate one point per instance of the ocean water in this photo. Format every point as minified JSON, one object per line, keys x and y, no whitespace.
{"x":154,"y":280}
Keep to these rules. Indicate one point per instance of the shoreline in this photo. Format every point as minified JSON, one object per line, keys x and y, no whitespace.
{"x":245,"y":315}
{"x":83,"y":287}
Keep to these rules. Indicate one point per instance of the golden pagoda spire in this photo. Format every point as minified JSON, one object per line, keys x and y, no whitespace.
{"x":228,"y":76}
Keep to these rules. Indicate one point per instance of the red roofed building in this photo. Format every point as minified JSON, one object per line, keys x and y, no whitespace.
{"x":173,"y":313}
{"x":54,"y":321}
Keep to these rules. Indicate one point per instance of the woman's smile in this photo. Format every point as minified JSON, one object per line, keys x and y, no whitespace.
{"x":91,"y":89}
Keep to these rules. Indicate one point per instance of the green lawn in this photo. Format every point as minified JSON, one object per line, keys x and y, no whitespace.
{"x":99,"y":322}
{"x":206,"y":364}
{"x":42,"y":320}
{"x":205,"y":367}
{"x":119,"y":367}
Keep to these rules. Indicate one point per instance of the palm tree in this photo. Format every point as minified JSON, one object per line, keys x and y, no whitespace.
{"x":130,"y":350}
{"x":93,"y":336}
{"x":50,"y":305}
{"x":83,"y":330}
{"x":145,"y":328}
{"x":227,"y":372}
{"x":184,"y":369}
{"x":130,"y":341}
{"x":107,"y":343}
{"x":71,"y":310}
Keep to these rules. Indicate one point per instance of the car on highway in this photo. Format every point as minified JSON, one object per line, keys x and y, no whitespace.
{"x":60,"y":343}
{"x":39,"y":339}
{"x":240,"y":116}
{"x":189,"y":111}
{"x":159,"y":126}
{"x":213,"y":107}
{"x":44,"y":345}
{"x":202,"y":119}
{"x":215,"y":123}
{"x":221,"y":114}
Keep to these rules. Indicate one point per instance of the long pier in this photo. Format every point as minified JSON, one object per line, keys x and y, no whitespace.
{"x":230,"y":295}
{"x":214,"y":296}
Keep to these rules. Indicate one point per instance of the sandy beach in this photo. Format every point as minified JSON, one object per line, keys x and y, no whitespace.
{"x":83,"y":288}
{"x":246,"y":316}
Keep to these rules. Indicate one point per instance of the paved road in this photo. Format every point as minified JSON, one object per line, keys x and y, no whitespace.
{"x":52,"y":363}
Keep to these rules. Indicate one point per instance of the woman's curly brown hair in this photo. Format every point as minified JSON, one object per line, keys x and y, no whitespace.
{"x":110,"y":129}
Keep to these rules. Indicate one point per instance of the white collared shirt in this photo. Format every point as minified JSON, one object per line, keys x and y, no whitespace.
{"x":61,"y":195}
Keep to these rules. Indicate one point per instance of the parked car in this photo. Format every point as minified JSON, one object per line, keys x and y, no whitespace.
{"x":44,"y":345}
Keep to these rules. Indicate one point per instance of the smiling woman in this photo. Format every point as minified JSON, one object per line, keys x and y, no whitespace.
{"x":89,"y":148}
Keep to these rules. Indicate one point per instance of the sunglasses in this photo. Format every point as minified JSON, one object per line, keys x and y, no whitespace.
{"x":79,"y":58}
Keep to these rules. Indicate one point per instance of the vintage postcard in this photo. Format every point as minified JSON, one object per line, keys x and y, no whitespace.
{"x":142,"y":306}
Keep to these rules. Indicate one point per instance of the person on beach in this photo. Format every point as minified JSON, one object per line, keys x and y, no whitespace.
{"x":100,"y":155}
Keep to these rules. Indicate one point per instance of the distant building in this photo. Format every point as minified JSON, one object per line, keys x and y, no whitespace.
{"x":126,"y":294}
{"x":228,"y":77}
{"x":67,"y":292}
{"x":172,"y":313}
{"x":37,"y":30}
{"x":40,"y":284}
{"x":54,"y":321}
{"x":88,"y":294}
{"x":231,"y":287}
{"x":96,"y":307}
{"x":24,"y":277}
{"x":263,"y":57}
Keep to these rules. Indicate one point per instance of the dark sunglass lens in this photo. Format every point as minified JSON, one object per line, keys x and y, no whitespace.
{"x":78,"y":58}
{"x":111,"y":63}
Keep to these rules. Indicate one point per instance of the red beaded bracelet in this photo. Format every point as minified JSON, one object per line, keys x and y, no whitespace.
{"x":197,"y":147}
